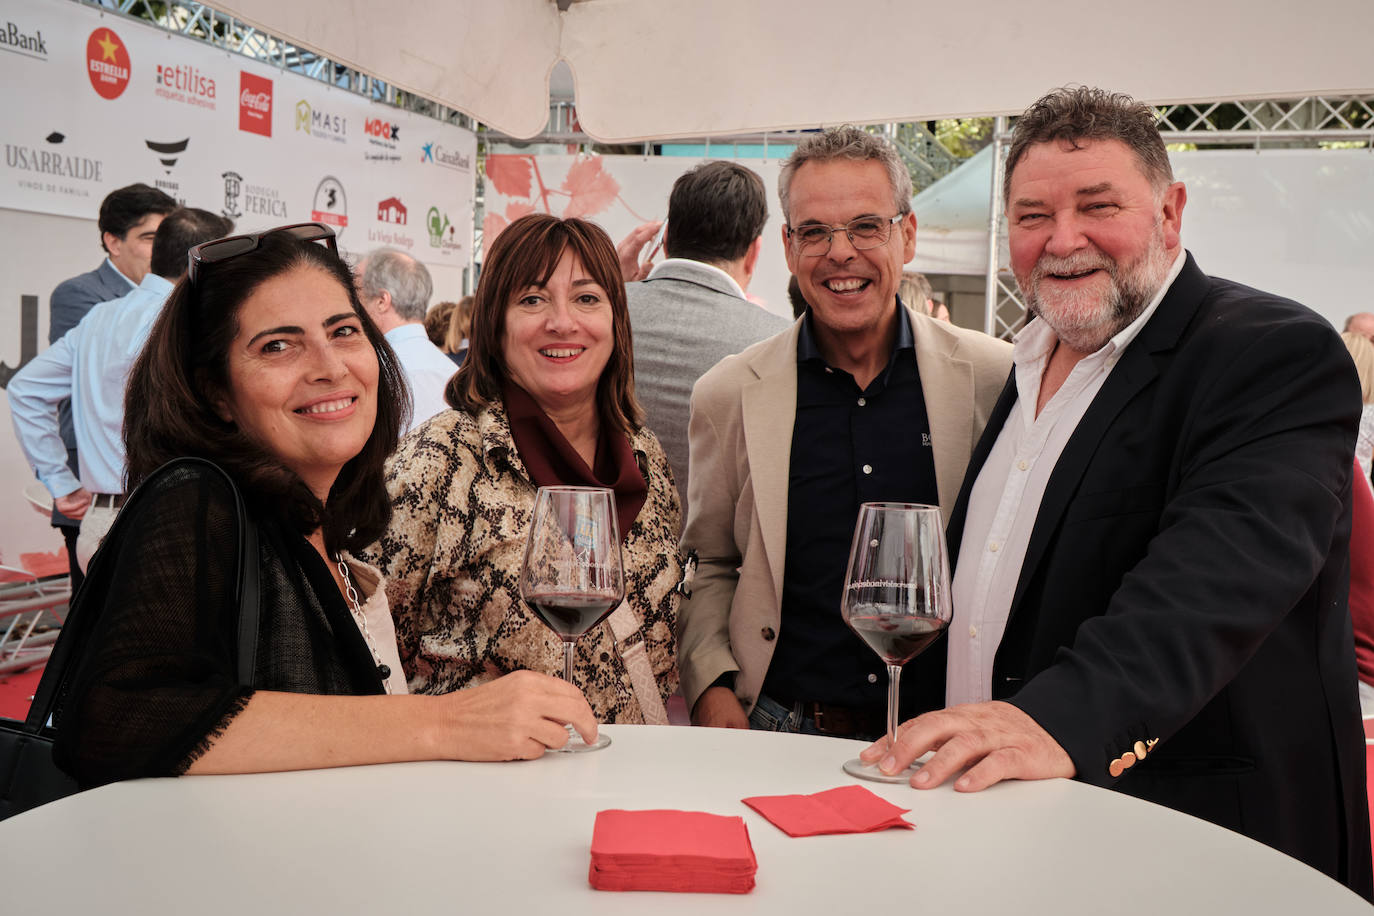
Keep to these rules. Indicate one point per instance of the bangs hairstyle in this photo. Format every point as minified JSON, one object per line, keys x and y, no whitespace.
{"x":1074,"y":114}
{"x":525,"y":255}
{"x":184,"y":370}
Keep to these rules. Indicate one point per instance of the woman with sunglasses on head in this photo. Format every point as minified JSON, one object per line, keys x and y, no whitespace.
{"x":263,"y":362}
{"x":545,"y":397}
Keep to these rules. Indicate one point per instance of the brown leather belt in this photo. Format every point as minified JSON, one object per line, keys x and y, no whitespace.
{"x":846,"y":721}
{"x":110,"y":500}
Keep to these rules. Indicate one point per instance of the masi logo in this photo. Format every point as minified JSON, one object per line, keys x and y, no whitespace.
{"x":449,"y":159}
{"x":318,"y":124}
{"x":13,"y":39}
{"x":184,"y":83}
{"x":255,"y":103}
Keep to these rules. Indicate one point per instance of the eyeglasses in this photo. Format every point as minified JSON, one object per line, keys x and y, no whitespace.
{"x":864,"y":232}
{"x":229,"y":247}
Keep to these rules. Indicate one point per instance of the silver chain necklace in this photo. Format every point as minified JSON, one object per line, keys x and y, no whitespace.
{"x":383,"y":670}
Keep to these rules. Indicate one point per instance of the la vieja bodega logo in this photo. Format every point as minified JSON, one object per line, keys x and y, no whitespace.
{"x":107,"y":63}
{"x":255,"y":103}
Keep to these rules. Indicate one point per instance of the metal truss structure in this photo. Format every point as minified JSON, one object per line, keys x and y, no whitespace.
{"x":1310,"y":122}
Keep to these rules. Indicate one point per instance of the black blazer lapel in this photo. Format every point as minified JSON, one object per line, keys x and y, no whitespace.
{"x":1138,"y":367}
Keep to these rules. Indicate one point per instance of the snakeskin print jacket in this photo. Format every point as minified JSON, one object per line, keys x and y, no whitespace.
{"x":461,"y":507}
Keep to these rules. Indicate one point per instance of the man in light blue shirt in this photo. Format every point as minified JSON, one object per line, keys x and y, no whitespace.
{"x":90,"y":364}
{"x":395,"y":289}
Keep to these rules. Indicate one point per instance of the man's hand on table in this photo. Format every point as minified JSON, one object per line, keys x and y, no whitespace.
{"x":718,"y":707}
{"x":995,"y":740}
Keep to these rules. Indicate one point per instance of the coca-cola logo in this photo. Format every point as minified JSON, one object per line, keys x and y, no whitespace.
{"x":255,"y":103}
{"x":258,"y":101}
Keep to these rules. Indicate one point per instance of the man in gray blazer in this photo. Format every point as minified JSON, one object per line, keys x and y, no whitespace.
{"x":128,"y":220}
{"x":690,"y":312}
{"x":863,"y":399}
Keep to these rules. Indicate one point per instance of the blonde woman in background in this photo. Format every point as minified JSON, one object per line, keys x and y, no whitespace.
{"x":1362,"y":352}
{"x":460,"y":322}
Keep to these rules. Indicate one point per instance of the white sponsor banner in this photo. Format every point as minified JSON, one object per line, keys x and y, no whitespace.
{"x":108,"y":101}
{"x":96,"y":101}
{"x":619,"y":193}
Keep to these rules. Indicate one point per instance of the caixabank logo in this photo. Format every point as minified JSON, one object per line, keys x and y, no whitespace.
{"x":255,"y":103}
{"x":438,"y":154}
{"x":19,"y":39}
{"x":184,"y":83}
{"x":107,"y":63}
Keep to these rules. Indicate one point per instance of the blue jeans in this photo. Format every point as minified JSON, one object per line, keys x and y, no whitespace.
{"x":768,"y":715}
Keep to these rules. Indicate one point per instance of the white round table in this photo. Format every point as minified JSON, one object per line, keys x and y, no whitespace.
{"x":455,"y":838}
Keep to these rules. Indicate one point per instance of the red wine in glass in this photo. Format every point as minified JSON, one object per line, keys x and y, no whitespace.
{"x":896,"y":597}
{"x":570,"y":614}
{"x":895,"y":637}
{"x":572,"y":575}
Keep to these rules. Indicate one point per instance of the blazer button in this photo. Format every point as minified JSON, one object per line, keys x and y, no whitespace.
{"x":1140,"y":750}
{"x":1127,"y":760}
{"x":768,"y":634}
{"x":1116,"y":768}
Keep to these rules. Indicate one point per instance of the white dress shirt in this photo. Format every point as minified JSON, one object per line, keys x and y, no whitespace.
{"x":1005,"y":499}
{"x":89,"y":364}
{"x":427,"y":370}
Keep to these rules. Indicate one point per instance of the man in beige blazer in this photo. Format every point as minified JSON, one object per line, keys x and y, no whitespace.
{"x":861,"y":399}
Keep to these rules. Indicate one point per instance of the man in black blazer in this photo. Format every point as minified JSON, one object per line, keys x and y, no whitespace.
{"x":1152,"y":539}
{"x":128,"y":220}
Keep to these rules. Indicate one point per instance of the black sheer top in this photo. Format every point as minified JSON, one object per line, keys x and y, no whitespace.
{"x":157,"y":680}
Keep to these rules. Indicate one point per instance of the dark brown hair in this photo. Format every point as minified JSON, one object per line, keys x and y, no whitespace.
{"x":1077,"y":113}
{"x":525,"y":255}
{"x":184,"y":369}
{"x":715,"y":212}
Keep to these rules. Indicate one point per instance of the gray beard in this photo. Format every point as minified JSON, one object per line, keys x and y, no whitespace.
{"x":1131,"y":291}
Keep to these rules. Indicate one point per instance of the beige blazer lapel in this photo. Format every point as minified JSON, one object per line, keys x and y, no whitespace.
{"x":769,"y":410}
{"x":948,"y":388}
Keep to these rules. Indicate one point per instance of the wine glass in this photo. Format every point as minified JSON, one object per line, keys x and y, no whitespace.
{"x":896,"y":598}
{"x":572,"y":576}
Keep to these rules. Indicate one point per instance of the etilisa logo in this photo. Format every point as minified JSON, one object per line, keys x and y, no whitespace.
{"x":331,"y":205}
{"x":184,"y":83}
{"x":233,"y":187}
{"x":17,"y":41}
{"x":318,"y":123}
{"x":255,"y":103}
{"x":107,"y":63}
{"x":449,"y":159}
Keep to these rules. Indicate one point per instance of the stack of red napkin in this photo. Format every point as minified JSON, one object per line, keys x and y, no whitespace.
{"x":671,"y":851}
{"x":848,"y":809}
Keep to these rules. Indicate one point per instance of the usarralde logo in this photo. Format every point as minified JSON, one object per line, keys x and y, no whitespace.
{"x":17,"y":41}
{"x":321,"y":124}
{"x":107,"y":63}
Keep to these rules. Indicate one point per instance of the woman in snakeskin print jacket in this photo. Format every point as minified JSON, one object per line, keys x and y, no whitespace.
{"x":545,"y":397}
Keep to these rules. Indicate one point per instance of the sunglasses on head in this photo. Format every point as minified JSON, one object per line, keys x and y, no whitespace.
{"x":230,"y":247}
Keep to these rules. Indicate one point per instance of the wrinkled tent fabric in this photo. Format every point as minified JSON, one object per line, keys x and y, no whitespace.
{"x":652,"y":69}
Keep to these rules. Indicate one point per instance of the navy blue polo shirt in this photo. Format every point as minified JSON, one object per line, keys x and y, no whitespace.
{"x":849,"y":446}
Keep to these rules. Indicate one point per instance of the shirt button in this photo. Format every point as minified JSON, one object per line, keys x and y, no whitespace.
{"x":873,"y":678}
{"x":863,"y":401}
{"x":829,"y":371}
{"x":972,"y":632}
{"x":994,"y":546}
{"x":1022,"y":465}
{"x":868,"y":469}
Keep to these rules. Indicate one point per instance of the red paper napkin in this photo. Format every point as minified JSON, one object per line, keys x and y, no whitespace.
{"x":671,"y":851}
{"x":848,"y":809}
